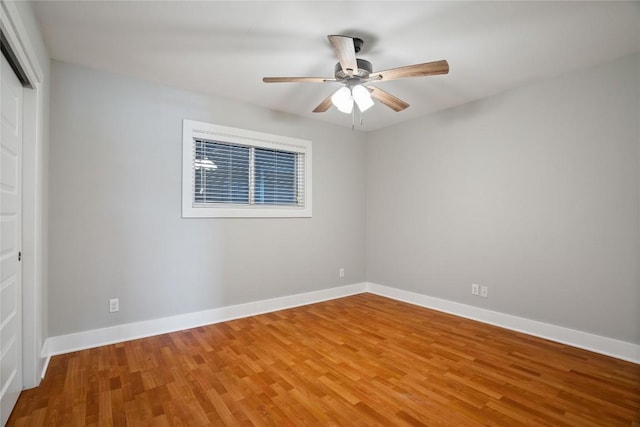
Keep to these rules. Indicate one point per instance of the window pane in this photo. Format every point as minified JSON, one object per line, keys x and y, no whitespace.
{"x":275,"y":177}
{"x":221,"y":173}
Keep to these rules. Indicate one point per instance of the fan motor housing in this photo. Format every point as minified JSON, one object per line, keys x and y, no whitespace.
{"x":364,"y":69}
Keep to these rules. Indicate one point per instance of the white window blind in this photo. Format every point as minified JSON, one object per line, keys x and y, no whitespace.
{"x":226,"y":173}
{"x":278,"y":177}
{"x":221,"y":173}
{"x":234,"y":172}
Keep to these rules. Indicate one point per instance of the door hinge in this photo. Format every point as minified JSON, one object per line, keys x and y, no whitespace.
{"x":19,"y":255}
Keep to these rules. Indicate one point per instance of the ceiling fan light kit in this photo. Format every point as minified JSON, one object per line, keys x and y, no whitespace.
{"x":357,"y":74}
{"x":343,"y":100}
{"x":362,"y":97}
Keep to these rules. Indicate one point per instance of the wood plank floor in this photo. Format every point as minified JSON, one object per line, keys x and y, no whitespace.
{"x":363,"y":360}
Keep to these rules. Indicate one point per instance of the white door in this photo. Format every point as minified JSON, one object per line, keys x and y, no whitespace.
{"x":10,"y":240}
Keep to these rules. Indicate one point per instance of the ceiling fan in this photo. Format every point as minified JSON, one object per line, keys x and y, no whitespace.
{"x":356,"y":74}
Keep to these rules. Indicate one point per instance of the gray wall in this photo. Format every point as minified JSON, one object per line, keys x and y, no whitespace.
{"x":116,"y":230}
{"x":534,"y":193}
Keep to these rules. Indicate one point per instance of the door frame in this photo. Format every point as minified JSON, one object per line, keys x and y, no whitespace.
{"x":34,"y":193}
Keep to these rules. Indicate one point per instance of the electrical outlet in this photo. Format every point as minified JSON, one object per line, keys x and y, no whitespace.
{"x":114,"y":305}
{"x":474,"y":289}
{"x":341,"y":272}
{"x":484,"y":291}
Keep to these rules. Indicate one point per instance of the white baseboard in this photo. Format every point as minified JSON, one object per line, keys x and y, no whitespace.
{"x":114,"y":334}
{"x":97,"y":337}
{"x":596,"y":343}
{"x":45,"y":365}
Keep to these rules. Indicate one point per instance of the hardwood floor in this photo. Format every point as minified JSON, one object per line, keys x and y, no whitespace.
{"x":363,"y":360}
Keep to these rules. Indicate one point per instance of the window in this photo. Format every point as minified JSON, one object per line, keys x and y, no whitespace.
{"x":228,"y":172}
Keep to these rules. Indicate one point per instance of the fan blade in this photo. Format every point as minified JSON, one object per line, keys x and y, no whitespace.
{"x":346,"y":53}
{"x":417,"y":70}
{"x":396,"y":104}
{"x":297,"y":79}
{"x":324,"y":105}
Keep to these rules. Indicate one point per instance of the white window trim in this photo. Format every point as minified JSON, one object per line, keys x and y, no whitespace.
{"x":192,"y":130}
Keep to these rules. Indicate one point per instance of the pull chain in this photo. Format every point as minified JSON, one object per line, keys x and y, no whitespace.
{"x":353,"y":119}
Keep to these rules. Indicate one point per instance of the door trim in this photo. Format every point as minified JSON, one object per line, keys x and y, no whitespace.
{"x":34,"y":280}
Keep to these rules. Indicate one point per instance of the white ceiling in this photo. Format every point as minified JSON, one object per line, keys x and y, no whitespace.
{"x":225,"y":48}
